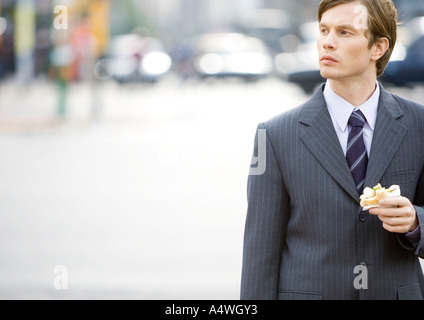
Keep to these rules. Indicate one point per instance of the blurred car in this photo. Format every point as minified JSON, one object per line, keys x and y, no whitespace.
{"x":408,"y":71}
{"x":134,"y":58}
{"x":231,"y":54}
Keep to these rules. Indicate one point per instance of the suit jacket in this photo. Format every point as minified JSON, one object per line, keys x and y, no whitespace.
{"x":306,"y":236}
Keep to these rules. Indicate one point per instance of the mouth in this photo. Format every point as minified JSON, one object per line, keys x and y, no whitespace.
{"x":328,"y":59}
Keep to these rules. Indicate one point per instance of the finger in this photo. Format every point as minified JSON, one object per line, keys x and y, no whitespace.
{"x":407,"y":213}
{"x":394,"y":201}
{"x":395,"y":229}
{"x":394,"y":221}
{"x":396,"y":206}
{"x":389,"y":211}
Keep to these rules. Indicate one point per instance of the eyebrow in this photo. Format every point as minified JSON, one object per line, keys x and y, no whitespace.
{"x":342,"y":26}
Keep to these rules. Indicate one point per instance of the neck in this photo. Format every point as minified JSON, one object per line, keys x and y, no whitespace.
{"x":354,"y":92}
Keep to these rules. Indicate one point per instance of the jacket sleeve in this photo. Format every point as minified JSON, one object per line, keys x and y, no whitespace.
{"x":419,"y":208}
{"x":266,"y":221}
{"x":419,"y":201}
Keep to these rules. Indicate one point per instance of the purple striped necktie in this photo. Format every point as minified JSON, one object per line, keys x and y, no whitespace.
{"x":356,"y":153}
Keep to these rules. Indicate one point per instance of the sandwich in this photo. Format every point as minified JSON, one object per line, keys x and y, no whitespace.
{"x":370,"y":197}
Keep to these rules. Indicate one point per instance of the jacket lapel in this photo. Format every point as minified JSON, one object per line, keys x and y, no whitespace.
{"x":388,"y":135}
{"x":321,"y":139}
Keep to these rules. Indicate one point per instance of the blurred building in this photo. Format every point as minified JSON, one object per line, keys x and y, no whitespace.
{"x":7,"y":56}
{"x":30,"y":35}
{"x":173,"y":21}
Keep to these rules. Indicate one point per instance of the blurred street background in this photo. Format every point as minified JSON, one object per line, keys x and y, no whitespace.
{"x":126,"y":134}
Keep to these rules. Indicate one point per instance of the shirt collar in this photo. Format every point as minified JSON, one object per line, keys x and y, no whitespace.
{"x":341,"y":110}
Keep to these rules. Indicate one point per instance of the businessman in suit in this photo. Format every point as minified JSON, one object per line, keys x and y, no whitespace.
{"x":306,"y":235}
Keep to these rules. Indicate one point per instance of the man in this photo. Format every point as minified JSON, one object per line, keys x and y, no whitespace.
{"x":306,"y":236}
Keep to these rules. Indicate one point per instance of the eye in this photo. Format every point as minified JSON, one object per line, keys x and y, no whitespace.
{"x":324,"y":31}
{"x":346,"y":33}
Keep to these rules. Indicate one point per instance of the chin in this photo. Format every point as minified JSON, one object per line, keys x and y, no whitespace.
{"x":326,"y":75}
{"x":331,"y":74}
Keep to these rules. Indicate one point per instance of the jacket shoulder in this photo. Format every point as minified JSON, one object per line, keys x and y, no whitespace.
{"x":304,"y":113}
{"x":283,"y":119}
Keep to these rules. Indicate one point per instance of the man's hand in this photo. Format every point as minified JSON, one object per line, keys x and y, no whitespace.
{"x":400,"y":217}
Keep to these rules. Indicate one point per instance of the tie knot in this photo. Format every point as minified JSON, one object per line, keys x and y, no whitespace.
{"x":357,"y":119}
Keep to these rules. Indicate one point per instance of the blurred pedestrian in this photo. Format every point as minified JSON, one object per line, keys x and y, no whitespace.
{"x":306,"y":235}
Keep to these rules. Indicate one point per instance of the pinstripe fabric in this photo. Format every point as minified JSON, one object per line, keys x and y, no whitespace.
{"x":303,"y":233}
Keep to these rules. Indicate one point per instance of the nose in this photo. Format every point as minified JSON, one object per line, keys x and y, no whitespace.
{"x":328,"y":46}
{"x":328,"y":41}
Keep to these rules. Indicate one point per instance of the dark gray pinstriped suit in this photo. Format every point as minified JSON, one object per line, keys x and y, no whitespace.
{"x":304,"y":235}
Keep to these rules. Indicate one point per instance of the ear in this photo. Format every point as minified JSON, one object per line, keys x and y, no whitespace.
{"x":379,"y":48}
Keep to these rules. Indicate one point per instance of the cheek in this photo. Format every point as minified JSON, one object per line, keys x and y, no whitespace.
{"x":319,"y":44}
{"x":358,"y":54}
{"x":321,"y":40}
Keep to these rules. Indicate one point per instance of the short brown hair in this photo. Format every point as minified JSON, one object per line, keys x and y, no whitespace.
{"x":382,"y":23}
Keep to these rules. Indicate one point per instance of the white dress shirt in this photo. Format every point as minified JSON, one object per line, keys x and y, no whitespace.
{"x":340,"y":111}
